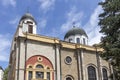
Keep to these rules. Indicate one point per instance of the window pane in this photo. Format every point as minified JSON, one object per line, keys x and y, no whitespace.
{"x":39,"y":75}
{"x":29,"y":75}
{"x":91,"y":73}
{"x":70,"y":40}
{"x":30,"y":28}
{"x":78,"y":40}
{"x":105,"y":77}
{"x":68,"y":59}
{"x":48,"y":75}
{"x":39,"y":66}
{"x":84,"y":41}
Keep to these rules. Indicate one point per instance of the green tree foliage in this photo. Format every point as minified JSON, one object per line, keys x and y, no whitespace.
{"x":110,"y":27}
{"x":5,"y":76}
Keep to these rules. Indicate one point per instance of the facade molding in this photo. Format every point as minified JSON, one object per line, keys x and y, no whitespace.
{"x":64,"y":44}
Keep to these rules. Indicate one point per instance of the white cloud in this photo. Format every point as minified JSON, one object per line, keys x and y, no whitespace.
{"x":72,"y":16}
{"x":94,"y":36}
{"x":4,"y":47}
{"x":46,"y":5}
{"x":92,"y":27}
{"x":42,"y":23}
{"x":9,"y":2}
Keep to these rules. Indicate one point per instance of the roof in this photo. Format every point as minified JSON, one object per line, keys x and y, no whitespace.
{"x":28,"y":16}
{"x":74,"y":31}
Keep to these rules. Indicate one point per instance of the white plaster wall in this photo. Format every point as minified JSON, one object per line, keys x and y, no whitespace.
{"x":77,"y":36}
{"x":22,"y":54}
{"x":1,"y":74}
{"x":70,"y":37}
{"x":24,"y":26}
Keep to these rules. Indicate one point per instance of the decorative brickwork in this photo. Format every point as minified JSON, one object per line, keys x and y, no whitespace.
{"x":34,"y":59}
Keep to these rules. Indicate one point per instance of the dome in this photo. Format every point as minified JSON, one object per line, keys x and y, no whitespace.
{"x":27,"y":16}
{"x":75,"y":31}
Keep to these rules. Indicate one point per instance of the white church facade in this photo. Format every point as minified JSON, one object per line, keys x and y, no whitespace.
{"x":1,"y":73}
{"x":37,"y":57}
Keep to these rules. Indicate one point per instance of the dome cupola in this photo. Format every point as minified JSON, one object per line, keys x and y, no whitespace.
{"x":76,"y":35}
{"x":28,"y":16}
{"x":28,"y":23}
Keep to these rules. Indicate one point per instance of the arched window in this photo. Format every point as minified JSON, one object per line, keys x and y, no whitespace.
{"x":104,"y":71}
{"x":39,"y":66}
{"x":91,"y":73}
{"x":39,"y":70}
{"x":39,"y":74}
{"x":84,"y":41}
{"x":78,"y":40}
{"x":30,"y":26}
{"x":69,"y":78}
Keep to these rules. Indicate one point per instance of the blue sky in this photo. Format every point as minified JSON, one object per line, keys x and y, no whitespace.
{"x":54,"y":18}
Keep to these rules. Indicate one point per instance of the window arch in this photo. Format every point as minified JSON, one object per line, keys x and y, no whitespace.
{"x":84,"y":42}
{"x":69,"y":77}
{"x":104,"y":71}
{"x":38,"y":69}
{"x":78,"y":40}
{"x":39,"y":66}
{"x":91,"y":73}
{"x":30,"y":66}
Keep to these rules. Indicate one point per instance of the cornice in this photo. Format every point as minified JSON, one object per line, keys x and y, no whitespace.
{"x":64,"y":44}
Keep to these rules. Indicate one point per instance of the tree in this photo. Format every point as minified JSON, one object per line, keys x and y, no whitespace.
{"x":109,"y":22}
{"x":5,"y":76}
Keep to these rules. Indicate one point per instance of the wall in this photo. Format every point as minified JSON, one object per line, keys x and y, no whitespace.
{"x":69,"y":69}
{"x":1,"y":74}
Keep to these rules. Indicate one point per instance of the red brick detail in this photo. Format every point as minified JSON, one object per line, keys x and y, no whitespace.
{"x":52,"y":75}
{"x":34,"y":59}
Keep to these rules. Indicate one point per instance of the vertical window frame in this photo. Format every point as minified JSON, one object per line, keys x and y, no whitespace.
{"x":91,"y":73}
{"x":30,"y":28}
{"x":104,"y":74}
{"x":70,"y":40}
{"x":84,"y":41}
{"x":30,"y":75}
{"x":78,"y":40}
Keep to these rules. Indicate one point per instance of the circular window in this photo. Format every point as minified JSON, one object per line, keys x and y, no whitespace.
{"x":39,"y":59}
{"x":68,"y":60}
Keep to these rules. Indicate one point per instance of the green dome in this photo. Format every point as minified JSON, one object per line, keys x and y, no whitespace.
{"x":27,"y":16}
{"x":75,"y":31}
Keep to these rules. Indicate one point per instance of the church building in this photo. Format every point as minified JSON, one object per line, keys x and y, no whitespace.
{"x":38,"y":57}
{"x":1,"y":73}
